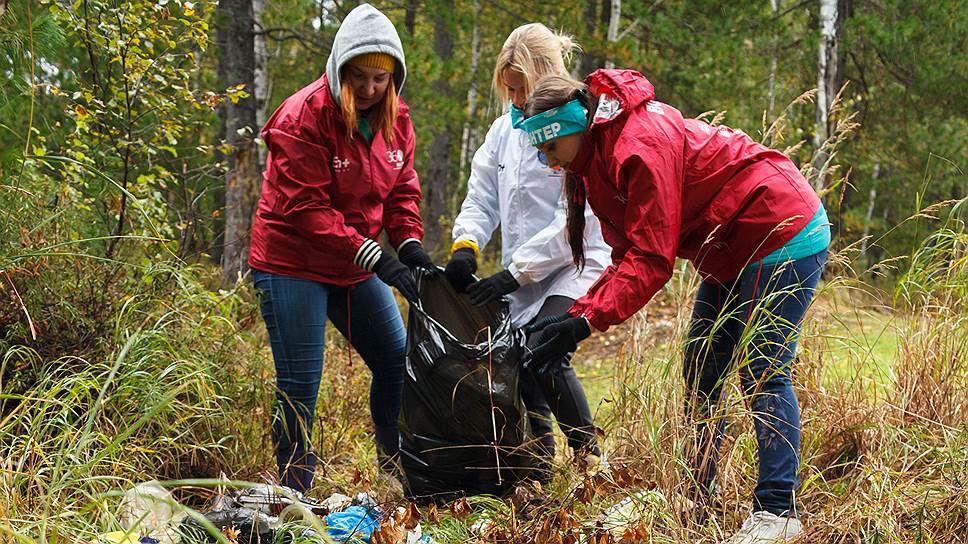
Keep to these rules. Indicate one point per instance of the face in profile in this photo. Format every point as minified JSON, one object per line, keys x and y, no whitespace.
{"x":516,"y":87}
{"x":561,"y":151}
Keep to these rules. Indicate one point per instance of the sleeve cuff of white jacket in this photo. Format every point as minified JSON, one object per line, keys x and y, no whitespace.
{"x":519,"y":275}
{"x":368,"y":254}
{"x":407,"y":241}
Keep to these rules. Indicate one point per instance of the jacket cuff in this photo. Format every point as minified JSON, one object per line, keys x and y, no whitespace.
{"x":407,"y":241}
{"x":368,"y":254}
{"x":594,"y":319}
{"x":518,"y":275}
{"x":466,"y":243}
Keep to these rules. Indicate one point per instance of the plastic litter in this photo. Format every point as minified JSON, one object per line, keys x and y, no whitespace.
{"x":245,"y":525}
{"x":336,"y":502}
{"x":356,"y":522}
{"x":463,"y":428}
{"x":148,"y":509}
{"x":647,"y":506}
{"x":124,"y":537}
{"x":273,"y":499}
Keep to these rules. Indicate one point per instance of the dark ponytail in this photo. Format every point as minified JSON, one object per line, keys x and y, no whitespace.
{"x":550,"y":92}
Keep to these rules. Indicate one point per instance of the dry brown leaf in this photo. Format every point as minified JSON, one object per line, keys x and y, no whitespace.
{"x":231,"y":534}
{"x":601,"y":537}
{"x":636,"y":533}
{"x":586,"y":492}
{"x":460,"y":508}
{"x":361,"y":479}
{"x":432,"y":514}
{"x":411,"y":517}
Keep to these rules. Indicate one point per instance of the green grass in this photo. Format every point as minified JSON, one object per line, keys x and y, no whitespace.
{"x":182,"y":386}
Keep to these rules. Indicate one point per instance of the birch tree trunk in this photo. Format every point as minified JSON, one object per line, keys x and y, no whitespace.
{"x":868,"y":217}
{"x":262,"y":84}
{"x":775,"y":9}
{"x":614,"y":19}
{"x":468,"y":143}
{"x":827,"y":77}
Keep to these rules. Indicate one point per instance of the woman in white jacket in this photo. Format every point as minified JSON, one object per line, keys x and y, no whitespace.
{"x":510,"y":186}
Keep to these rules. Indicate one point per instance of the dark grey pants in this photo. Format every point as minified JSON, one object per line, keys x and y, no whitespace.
{"x":558,"y":392}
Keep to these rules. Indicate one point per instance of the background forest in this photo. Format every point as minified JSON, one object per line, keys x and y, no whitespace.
{"x":130,"y":166}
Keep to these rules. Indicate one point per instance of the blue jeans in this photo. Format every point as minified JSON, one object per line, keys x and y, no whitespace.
{"x":771,"y":302}
{"x":295,"y":312}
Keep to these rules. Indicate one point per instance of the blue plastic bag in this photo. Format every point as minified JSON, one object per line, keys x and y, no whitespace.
{"x":356,"y":522}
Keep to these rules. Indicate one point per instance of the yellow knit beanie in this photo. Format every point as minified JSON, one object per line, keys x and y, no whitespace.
{"x":375,"y":60}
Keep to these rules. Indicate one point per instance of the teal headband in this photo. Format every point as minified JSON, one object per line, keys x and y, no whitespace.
{"x":568,"y":118}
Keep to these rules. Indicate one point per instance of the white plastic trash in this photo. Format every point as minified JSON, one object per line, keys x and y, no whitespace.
{"x":149,"y":509}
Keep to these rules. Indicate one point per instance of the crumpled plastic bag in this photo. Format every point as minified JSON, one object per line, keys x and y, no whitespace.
{"x":355,"y":522}
{"x":149,"y":509}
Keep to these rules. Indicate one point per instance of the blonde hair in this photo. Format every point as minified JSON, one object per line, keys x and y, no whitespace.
{"x":534,"y":50}
{"x":382,"y":116}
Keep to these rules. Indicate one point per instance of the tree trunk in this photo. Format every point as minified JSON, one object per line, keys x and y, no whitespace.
{"x":589,"y":62}
{"x":410,"y":17}
{"x":828,"y":83}
{"x":871,"y":199}
{"x":237,"y":57}
{"x":775,"y":10}
{"x":469,"y":136}
{"x":614,"y":19}
{"x":439,"y":167}
{"x":262,"y":84}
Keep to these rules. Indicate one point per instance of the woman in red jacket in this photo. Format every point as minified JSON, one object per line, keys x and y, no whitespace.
{"x":666,"y":187}
{"x":339,"y":171}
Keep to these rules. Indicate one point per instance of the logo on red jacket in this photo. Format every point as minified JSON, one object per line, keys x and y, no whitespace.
{"x":341,"y":166}
{"x":395,"y":158}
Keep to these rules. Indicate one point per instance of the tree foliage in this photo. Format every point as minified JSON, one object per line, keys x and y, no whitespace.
{"x":113,"y":153}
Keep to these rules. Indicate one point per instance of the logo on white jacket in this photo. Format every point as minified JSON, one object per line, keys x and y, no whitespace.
{"x":340,"y":165}
{"x":395,"y":158}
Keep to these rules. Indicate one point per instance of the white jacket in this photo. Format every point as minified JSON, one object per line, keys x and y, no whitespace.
{"x":508,"y":186}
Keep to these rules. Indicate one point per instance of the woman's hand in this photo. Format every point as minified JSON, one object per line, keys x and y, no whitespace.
{"x":460,"y":270}
{"x":413,"y":255}
{"x":396,"y":274}
{"x":557,"y":336}
{"x":490,"y":289}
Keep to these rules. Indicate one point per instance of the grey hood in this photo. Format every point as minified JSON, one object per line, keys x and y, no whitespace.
{"x":364,"y":30}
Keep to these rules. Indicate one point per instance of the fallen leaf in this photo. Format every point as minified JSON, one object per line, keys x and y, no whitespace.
{"x":460,"y":508}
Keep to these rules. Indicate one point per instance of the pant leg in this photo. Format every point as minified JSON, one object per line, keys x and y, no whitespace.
{"x":539,"y":418}
{"x":294,"y":311}
{"x":781,"y":297}
{"x":713,"y":333}
{"x":372,"y":322}
{"x":562,"y":391}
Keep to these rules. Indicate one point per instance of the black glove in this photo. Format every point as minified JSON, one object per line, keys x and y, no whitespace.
{"x":460,"y":270}
{"x":396,"y":274}
{"x":557,"y":336}
{"x":492,"y":288}
{"x":413,"y":255}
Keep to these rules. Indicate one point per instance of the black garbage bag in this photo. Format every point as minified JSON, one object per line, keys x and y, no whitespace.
{"x":246,"y":525}
{"x":463,"y":426}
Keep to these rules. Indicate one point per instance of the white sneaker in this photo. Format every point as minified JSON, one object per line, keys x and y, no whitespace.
{"x":766,"y":528}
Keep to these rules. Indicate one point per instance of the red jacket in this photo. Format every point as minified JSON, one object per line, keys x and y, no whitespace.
{"x":322,"y":195}
{"x":666,"y":187}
